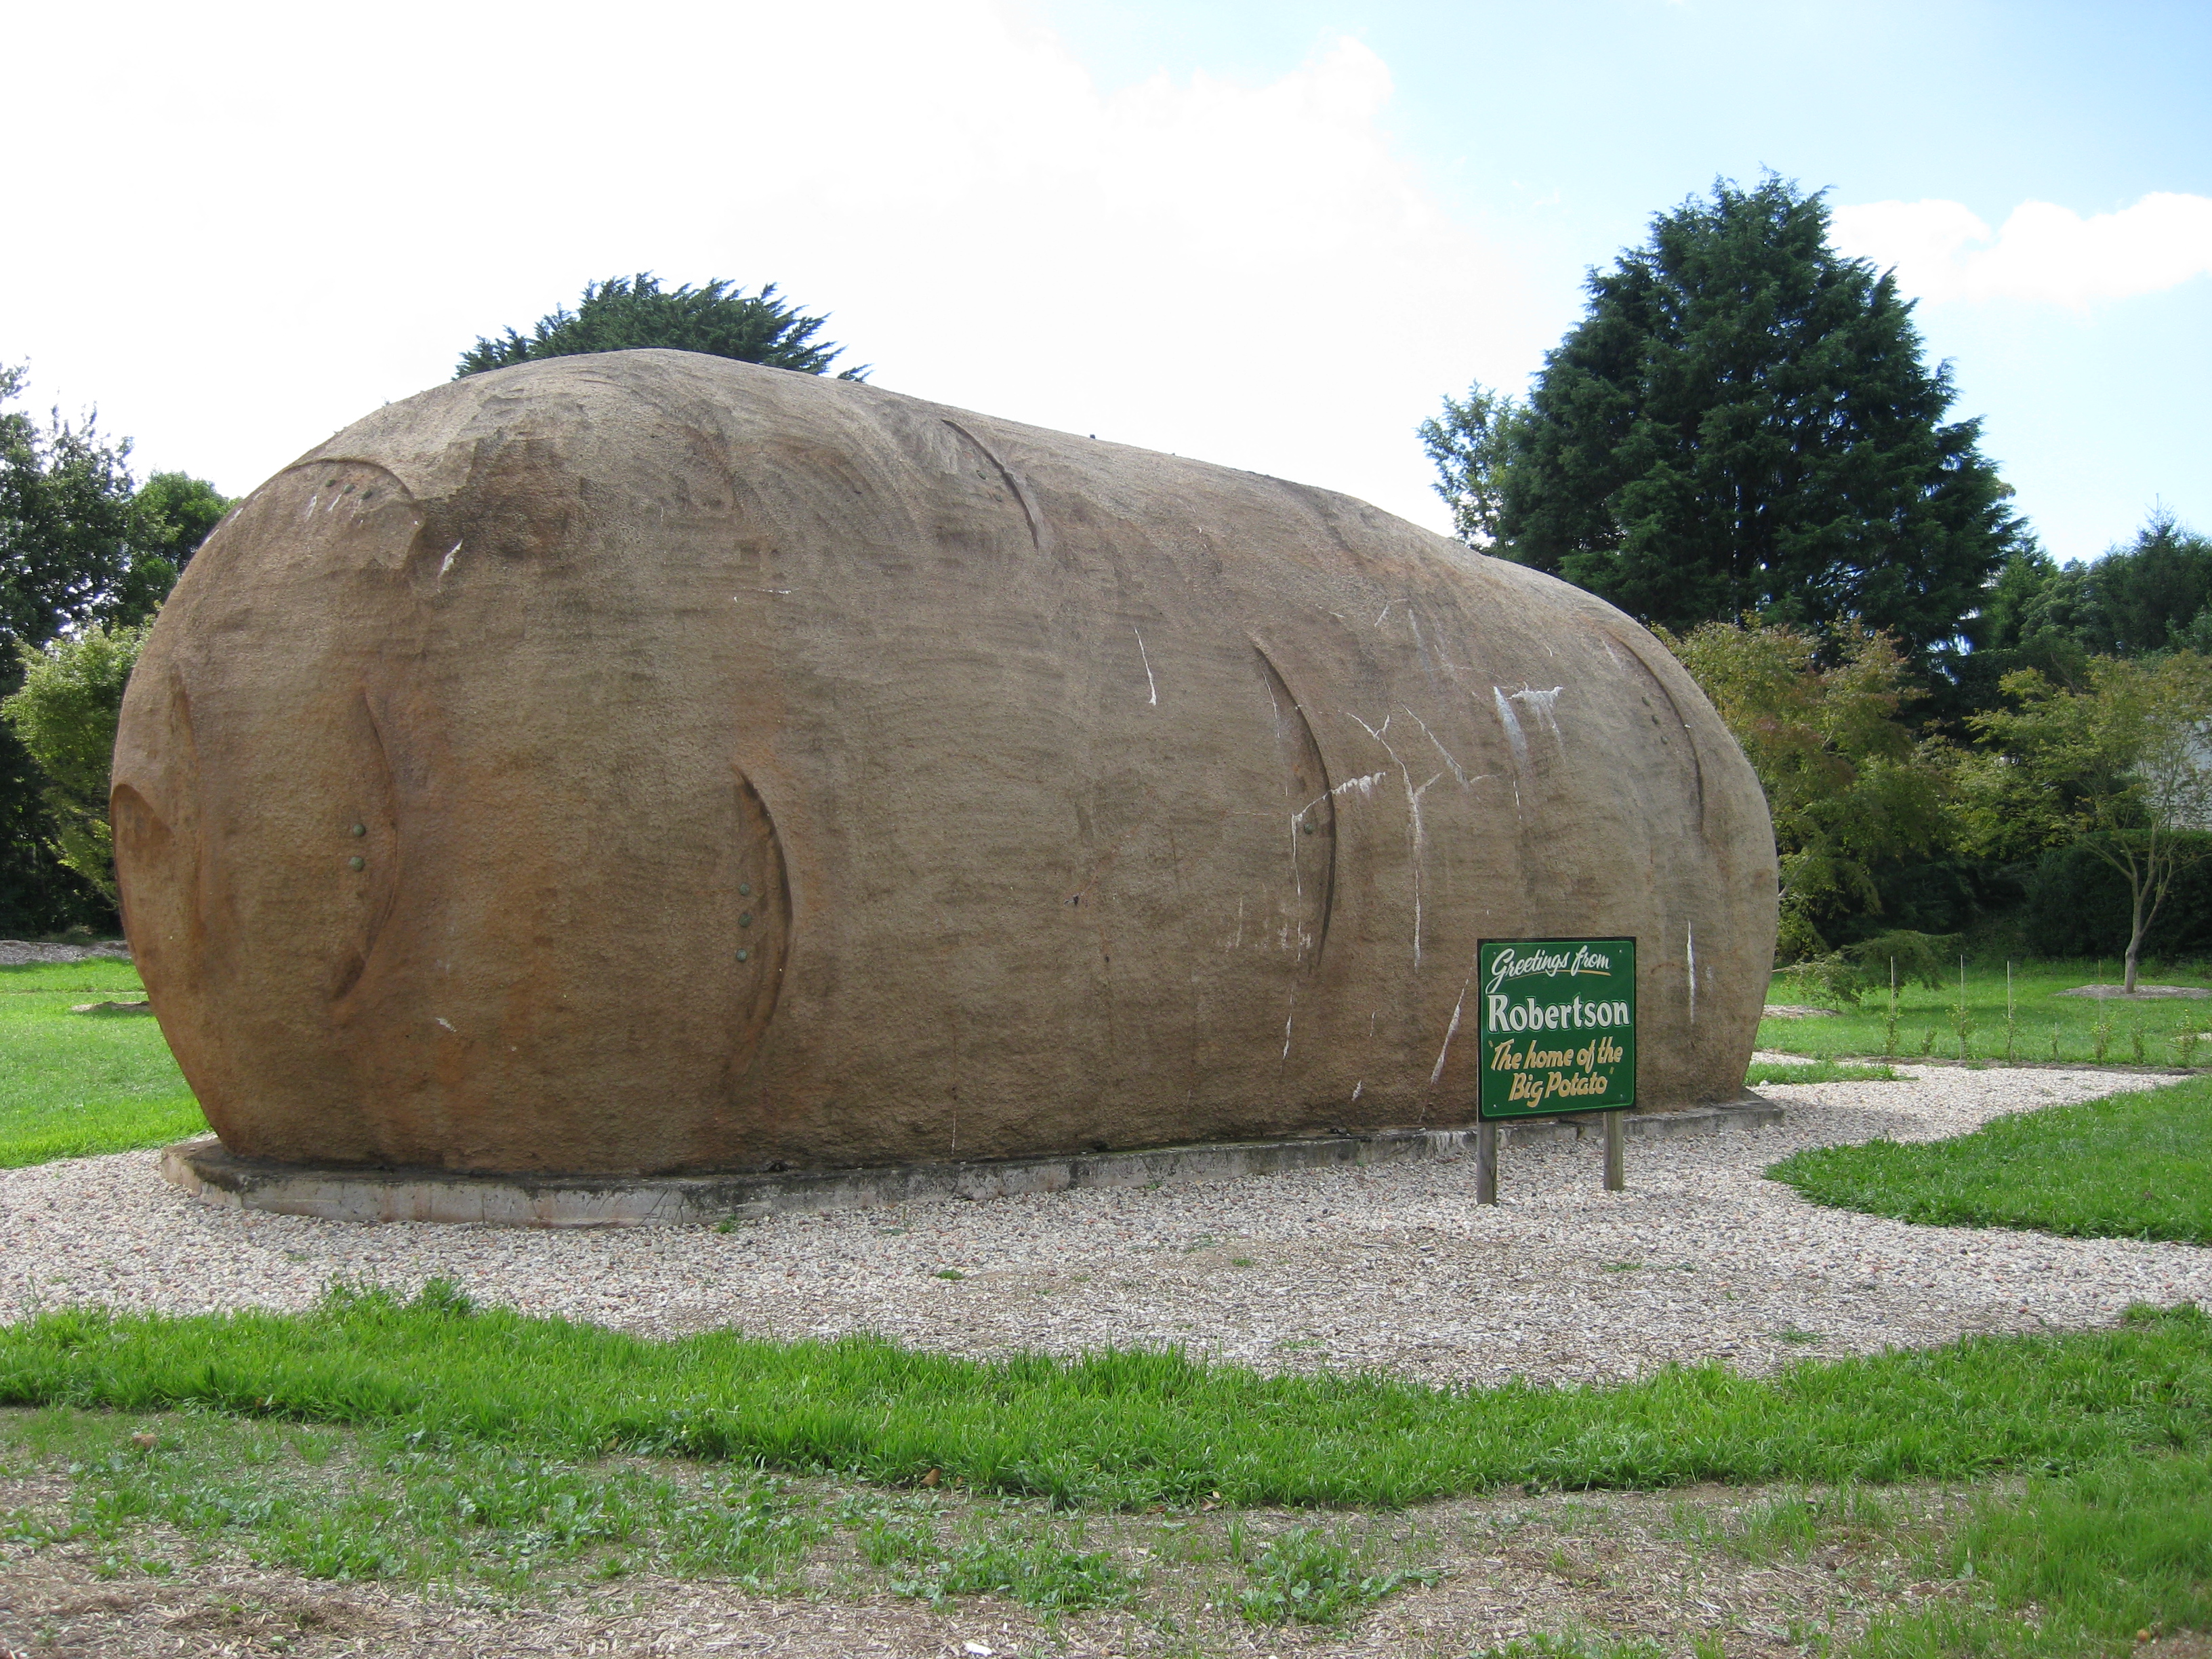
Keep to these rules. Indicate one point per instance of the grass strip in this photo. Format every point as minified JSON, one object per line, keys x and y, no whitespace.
{"x":1126,"y":1428}
{"x":1816,"y":1071}
{"x":113,"y":1127}
{"x":2086,"y":1562}
{"x":2127,"y":1166}
{"x":74,"y":1084}
{"x":2028,"y":1020}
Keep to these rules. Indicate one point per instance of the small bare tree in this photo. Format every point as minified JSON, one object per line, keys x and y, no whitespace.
{"x":2124,"y":767}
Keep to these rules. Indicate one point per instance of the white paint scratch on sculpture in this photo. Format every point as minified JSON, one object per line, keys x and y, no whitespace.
{"x":1356,"y":1087}
{"x":447,"y":1023}
{"x":1151,"y":683}
{"x":1542,"y":704}
{"x":1514,"y":738}
{"x":1451,"y":1030}
{"x":1420,"y":645}
{"x":1413,"y":815}
{"x":446,"y":564}
{"x":1690,"y":961}
{"x":1458,"y":770}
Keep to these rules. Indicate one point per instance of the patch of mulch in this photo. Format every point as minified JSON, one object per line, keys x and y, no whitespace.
{"x":2141,"y":994}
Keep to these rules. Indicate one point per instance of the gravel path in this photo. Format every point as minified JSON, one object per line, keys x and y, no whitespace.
{"x":15,"y":952}
{"x":1393,"y":1268}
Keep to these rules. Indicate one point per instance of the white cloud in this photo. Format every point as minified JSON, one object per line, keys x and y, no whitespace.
{"x":2044,"y":253}
{"x":322,"y":215}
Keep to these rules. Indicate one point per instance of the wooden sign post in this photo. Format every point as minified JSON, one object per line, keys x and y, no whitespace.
{"x":1558,"y":1036}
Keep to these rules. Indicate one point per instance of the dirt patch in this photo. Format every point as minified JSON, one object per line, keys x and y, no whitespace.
{"x":1760,"y":1569}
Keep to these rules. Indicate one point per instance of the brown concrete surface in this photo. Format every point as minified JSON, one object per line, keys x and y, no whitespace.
{"x":748,"y":769}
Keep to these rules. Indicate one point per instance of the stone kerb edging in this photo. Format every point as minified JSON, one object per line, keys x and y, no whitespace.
{"x":204,"y":1169}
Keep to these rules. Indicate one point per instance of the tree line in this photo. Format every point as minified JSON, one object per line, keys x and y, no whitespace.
{"x":1742,"y":443}
{"x":88,"y":553}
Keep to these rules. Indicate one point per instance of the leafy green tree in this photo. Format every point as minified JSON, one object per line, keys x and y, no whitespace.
{"x":626,"y":313}
{"x":81,"y":546}
{"x":1742,"y":423}
{"x":172,"y":513}
{"x":1848,"y":783}
{"x":2121,"y":767}
{"x":66,"y":715}
{"x":1470,"y":445}
{"x":2154,"y":594}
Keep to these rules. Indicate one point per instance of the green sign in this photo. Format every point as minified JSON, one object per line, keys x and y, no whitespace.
{"x":1558,"y":1025}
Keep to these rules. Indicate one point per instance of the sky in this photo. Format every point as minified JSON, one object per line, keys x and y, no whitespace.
{"x":1273,"y":236}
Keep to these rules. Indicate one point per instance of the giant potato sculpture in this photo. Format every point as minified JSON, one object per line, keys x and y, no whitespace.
{"x":647,"y":763}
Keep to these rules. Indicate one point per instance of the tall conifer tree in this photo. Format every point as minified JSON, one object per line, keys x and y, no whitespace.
{"x":1743,"y":422}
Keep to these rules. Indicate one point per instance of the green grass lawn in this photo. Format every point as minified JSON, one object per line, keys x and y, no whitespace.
{"x":432,"y":1441}
{"x":1128,"y":1428}
{"x":2170,"y":1032}
{"x":72,"y":1085}
{"x":2128,"y":1166}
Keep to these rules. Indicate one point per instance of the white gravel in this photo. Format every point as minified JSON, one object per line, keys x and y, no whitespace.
{"x":1393,"y":1268}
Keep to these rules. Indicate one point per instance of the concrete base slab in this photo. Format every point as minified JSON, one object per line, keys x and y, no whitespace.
{"x":334,"y":1193}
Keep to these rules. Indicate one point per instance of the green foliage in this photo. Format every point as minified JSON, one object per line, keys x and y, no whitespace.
{"x":80,"y":546}
{"x":173,"y":512}
{"x":1126,"y":1428}
{"x":1030,"y":1563}
{"x":2136,"y":600}
{"x":1580,"y":1645}
{"x":1847,"y":783}
{"x":66,"y":553}
{"x":2128,"y":1166}
{"x":2077,"y":903}
{"x":2085,"y":1563}
{"x":1470,"y":446}
{"x":1789,"y":1523}
{"x":1310,"y":1576}
{"x":1742,"y":423}
{"x":624,"y":313}
{"x":64,"y":715}
{"x":1900,"y":957}
{"x":2122,"y":768}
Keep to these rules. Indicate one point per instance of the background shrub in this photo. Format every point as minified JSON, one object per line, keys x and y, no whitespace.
{"x":2077,"y":905}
